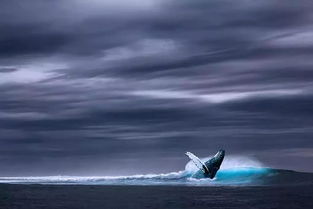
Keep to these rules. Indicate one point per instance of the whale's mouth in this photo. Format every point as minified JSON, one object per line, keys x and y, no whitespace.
{"x":235,"y":171}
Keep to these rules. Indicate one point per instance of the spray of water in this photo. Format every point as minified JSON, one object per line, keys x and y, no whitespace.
{"x":234,"y":170}
{"x":230,"y":162}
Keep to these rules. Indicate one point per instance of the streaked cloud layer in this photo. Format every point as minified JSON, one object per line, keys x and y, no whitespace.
{"x":88,"y":87}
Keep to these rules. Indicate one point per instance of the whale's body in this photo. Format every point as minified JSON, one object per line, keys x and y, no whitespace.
{"x":210,"y":167}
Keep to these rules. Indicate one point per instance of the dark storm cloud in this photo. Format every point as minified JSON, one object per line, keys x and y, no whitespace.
{"x":7,"y":70}
{"x":89,"y":86}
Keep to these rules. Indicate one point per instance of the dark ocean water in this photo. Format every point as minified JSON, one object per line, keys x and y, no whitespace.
{"x":19,"y":196}
{"x":236,"y":185}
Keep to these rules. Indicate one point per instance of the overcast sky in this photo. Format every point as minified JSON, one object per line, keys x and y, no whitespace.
{"x":127,"y":86}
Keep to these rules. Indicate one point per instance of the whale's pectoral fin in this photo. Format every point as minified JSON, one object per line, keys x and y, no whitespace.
{"x":198,"y":162}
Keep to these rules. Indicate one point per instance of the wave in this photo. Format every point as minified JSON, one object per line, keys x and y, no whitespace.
{"x":236,"y":171}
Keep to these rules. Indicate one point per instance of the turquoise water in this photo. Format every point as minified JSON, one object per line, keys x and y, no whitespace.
{"x":230,"y":176}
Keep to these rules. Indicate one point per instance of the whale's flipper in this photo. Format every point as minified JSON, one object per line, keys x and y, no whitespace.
{"x":198,"y":162}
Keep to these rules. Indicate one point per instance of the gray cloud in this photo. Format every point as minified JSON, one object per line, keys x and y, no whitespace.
{"x":85,"y":87}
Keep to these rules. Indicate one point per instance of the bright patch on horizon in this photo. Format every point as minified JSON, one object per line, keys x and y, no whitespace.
{"x":213,"y":97}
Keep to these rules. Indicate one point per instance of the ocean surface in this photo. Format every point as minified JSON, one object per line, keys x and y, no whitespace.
{"x":240,"y":183}
{"x":235,"y":171}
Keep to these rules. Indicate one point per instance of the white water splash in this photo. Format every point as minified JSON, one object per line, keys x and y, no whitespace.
{"x":230,"y":162}
{"x":231,"y":172}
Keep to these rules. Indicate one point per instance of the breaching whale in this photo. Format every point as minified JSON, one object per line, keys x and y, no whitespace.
{"x":210,"y":167}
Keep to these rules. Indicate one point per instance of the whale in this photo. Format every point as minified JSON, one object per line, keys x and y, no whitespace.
{"x":210,"y":167}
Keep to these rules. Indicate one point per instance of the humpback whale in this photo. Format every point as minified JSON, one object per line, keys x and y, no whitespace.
{"x":210,"y":167}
